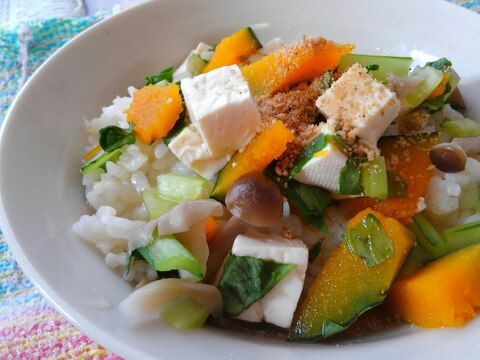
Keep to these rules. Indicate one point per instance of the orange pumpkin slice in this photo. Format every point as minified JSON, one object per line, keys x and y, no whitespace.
{"x":293,"y":64}
{"x":154,"y":111}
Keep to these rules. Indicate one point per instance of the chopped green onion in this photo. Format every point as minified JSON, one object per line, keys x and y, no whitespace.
{"x":166,"y":253}
{"x":195,"y":64}
{"x":462,"y":236}
{"x":428,"y":238}
{"x":430,"y":79}
{"x":156,"y":205}
{"x":101,"y":161}
{"x":451,"y":240}
{"x":172,"y":189}
{"x":374,"y":178}
{"x":179,"y":187}
{"x":377,"y":65}
{"x":461,"y":128}
{"x":185,"y":313}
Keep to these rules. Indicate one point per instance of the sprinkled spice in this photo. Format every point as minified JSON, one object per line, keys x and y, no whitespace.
{"x":296,"y":108}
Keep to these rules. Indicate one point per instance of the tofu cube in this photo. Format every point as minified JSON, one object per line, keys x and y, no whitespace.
{"x":277,"y":306}
{"x":359,"y":105}
{"x":190,"y":149}
{"x":323,"y":169}
{"x":222,"y":109}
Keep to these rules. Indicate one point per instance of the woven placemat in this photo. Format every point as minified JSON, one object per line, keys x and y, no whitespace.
{"x":30,"y":327}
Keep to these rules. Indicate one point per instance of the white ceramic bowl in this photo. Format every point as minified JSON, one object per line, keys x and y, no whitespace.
{"x":43,"y":139}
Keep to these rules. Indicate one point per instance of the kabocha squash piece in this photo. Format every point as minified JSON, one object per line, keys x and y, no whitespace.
{"x":261,"y":151}
{"x":407,"y":156}
{"x":346,"y":286}
{"x":154,"y":111}
{"x":234,"y":49}
{"x":445,"y":292}
{"x":293,"y":64}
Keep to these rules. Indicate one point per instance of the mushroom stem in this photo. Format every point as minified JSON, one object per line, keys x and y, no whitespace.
{"x":220,"y":244}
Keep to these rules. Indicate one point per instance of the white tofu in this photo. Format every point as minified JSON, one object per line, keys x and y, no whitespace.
{"x":222,"y":109}
{"x":360,"y":105}
{"x":323,"y":169}
{"x":278,"y":306}
{"x":190,"y":149}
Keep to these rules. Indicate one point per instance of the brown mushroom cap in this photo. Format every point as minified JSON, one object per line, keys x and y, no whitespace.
{"x":448,"y":157}
{"x":255,"y":199}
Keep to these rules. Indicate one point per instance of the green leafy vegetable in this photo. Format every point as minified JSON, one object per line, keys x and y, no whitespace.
{"x":330,"y":328}
{"x":309,"y":200}
{"x":166,"y":253}
{"x":314,"y":146}
{"x":247,"y":279}
{"x":180,"y":124}
{"x":349,"y":182}
{"x":135,"y":254}
{"x":368,"y":240}
{"x":101,"y":161}
{"x":113,"y":137}
{"x":164,"y":75}
{"x":314,"y":251}
{"x":373,"y":67}
{"x":439,"y":101}
{"x":396,"y":186}
{"x":440,"y":64}
{"x":340,"y":143}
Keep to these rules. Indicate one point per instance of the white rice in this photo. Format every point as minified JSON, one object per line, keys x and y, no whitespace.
{"x":452,"y":199}
{"x":114,"y":193}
